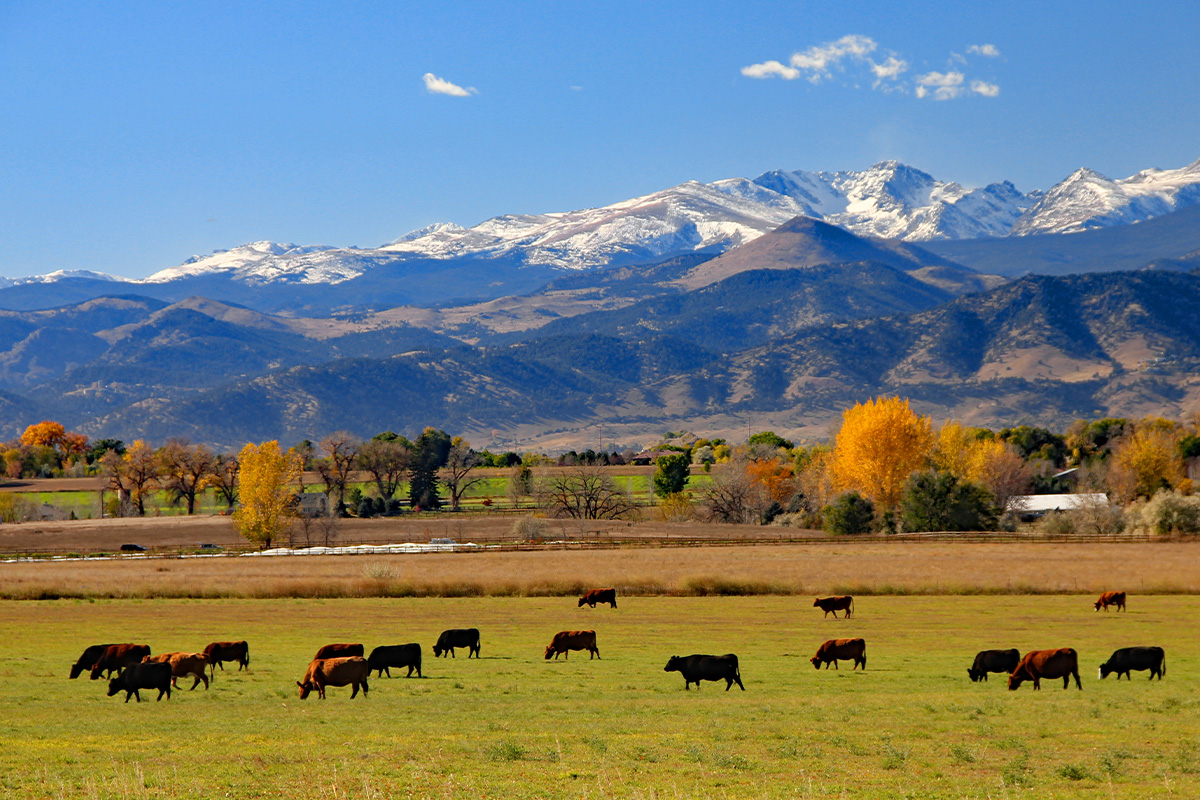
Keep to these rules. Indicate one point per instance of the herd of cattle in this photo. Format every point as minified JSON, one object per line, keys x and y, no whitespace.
{"x":344,"y":664}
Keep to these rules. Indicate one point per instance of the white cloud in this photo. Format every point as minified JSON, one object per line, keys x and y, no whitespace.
{"x":818,"y":61}
{"x":985,"y":89}
{"x":944,"y":85}
{"x":769,"y":69}
{"x":890,"y":69}
{"x":436,"y":85}
{"x":989,"y":50}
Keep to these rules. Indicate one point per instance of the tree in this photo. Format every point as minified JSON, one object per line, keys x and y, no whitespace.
{"x":1146,"y":461}
{"x":268,"y":504}
{"x":584,"y":492}
{"x":938,"y":501}
{"x":387,"y":460}
{"x":341,"y":454}
{"x":880,"y":444}
{"x":768,"y":442}
{"x":999,"y":468}
{"x":850,"y":514}
{"x":187,"y":470}
{"x":777,"y":479}
{"x":520,"y":482}
{"x":430,"y":451}
{"x":672,"y":474}
{"x":133,"y":475}
{"x":224,"y":476}
{"x":732,"y":496}
{"x":46,"y":433}
{"x":461,"y":460}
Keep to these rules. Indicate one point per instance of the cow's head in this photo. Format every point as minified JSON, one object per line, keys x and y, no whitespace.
{"x":549,"y":651}
{"x":1097,"y":604}
{"x":437,"y":651}
{"x":816,"y":661}
{"x":95,"y":672}
{"x":975,"y":676}
{"x":1014,"y":682}
{"x":1105,"y":669}
{"x":816,"y":602}
{"x":305,"y":688}
{"x":582,"y":600}
{"x":673,"y":664}
{"x":115,"y":685}
{"x":76,"y":671}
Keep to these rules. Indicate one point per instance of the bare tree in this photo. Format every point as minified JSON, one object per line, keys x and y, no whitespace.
{"x":224,"y":477}
{"x":186,"y":470}
{"x":520,"y":483}
{"x":341,"y":454}
{"x":460,"y":462}
{"x":585,"y":492}
{"x":387,"y":461}
{"x":733,"y":495}
{"x":132,"y":476}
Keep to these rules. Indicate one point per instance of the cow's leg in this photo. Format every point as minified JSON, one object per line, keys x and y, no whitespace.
{"x":1078,"y":684}
{"x":354,"y":691}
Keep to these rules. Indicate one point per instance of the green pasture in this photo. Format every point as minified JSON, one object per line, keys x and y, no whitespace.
{"x":513,"y":725}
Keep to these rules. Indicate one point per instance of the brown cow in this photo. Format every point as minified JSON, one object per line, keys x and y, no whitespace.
{"x":841,"y":649}
{"x":835,"y":604}
{"x":183,"y":665}
{"x":342,"y":650}
{"x":599,"y":596}
{"x":218,"y":652}
{"x":118,"y":656}
{"x":1037,"y":664}
{"x":324,"y":672}
{"x":565,"y":641}
{"x":1111,"y":599}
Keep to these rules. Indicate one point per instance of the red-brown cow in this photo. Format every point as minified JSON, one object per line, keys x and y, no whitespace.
{"x":324,"y":672}
{"x":565,"y":641}
{"x":183,"y":665}
{"x":599,"y":596}
{"x":1037,"y":664}
{"x":1111,"y":599}
{"x":341,"y":650}
{"x":218,"y":652}
{"x":836,"y":650}
{"x":835,"y":604}
{"x":118,"y":656}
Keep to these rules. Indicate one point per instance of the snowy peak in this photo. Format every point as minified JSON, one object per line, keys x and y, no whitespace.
{"x":265,"y":262}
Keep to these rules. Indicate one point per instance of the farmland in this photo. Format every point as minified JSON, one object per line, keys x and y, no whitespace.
{"x":514,"y":725}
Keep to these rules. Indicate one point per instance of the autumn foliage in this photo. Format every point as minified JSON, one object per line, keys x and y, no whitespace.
{"x":267,"y":504}
{"x":880,"y":444}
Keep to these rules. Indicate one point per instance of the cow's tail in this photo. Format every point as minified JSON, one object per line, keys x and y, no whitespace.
{"x":851,"y":605}
{"x":1162,"y":667}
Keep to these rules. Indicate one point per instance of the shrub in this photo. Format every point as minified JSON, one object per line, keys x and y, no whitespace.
{"x":529,"y":528}
{"x":849,"y":515}
{"x":938,"y":501}
{"x":1166,"y":513}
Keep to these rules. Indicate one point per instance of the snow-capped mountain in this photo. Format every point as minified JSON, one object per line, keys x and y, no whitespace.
{"x":270,"y":262}
{"x":1087,"y":200}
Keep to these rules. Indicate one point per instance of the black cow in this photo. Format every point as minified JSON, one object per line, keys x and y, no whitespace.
{"x":1139,"y":658}
{"x":843,"y":602}
{"x":147,"y":675}
{"x":696,"y":668}
{"x":457,"y":637}
{"x":90,"y":656}
{"x":993,"y":661}
{"x":395,"y":655}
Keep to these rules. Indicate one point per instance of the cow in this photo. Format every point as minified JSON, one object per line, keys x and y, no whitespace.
{"x":599,"y":596}
{"x":836,"y":650}
{"x":90,"y":656}
{"x":835,"y":604}
{"x":1139,"y":658}
{"x":993,"y":661}
{"x":340,"y":650}
{"x":566,"y":641}
{"x":457,"y":637}
{"x":118,"y":656}
{"x":696,"y":668}
{"x":218,"y":652}
{"x":183,"y":665}
{"x":324,"y":672}
{"x":395,"y":655}
{"x":1111,"y":599}
{"x":142,"y":675}
{"x":1037,"y":664}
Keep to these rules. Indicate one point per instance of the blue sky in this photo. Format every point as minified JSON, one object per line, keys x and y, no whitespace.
{"x":133,"y":135}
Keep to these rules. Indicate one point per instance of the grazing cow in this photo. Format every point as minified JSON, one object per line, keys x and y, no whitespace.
{"x":183,"y":665}
{"x":993,"y":661}
{"x":836,"y":650}
{"x":835,"y":604}
{"x":696,"y":668}
{"x":599,"y":596}
{"x":90,"y":656}
{"x":1111,"y":599}
{"x":324,"y":672}
{"x":1038,"y":664}
{"x":457,"y":637}
{"x":118,"y":656}
{"x":398,"y":656}
{"x":142,"y":675}
{"x":566,"y":641}
{"x":218,"y":652}
{"x":341,"y":650}
{"x":1139,"y":658}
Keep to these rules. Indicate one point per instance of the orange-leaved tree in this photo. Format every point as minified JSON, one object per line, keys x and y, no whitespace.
{"x":268,"y":506}
{"x":881,"y":443}
{"x":46,"y":433}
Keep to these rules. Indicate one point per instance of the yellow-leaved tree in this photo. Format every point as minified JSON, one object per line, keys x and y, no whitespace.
{"x":880,"y":444}
{"x":1146,"y":461}
{"x":266,"y":476}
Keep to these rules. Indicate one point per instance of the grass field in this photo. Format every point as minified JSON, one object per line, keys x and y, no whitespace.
{"x":513,"y":725}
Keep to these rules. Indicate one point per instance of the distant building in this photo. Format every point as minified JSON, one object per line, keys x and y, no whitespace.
{"x":313,"y":504}
{"x":1032,"y":506}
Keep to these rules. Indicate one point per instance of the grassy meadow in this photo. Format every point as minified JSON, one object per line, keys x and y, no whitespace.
{"x":514,"y":725}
